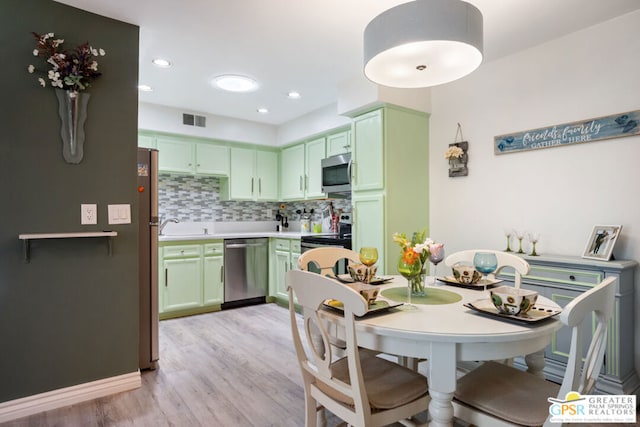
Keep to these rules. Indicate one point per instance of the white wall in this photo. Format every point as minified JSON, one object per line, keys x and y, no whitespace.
{"x":318,"y":121}
{"x":167,"y":119}
{"x":559,"y":192}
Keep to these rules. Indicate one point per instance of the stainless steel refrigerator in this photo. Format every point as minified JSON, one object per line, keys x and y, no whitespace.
{"x":148,"y":256}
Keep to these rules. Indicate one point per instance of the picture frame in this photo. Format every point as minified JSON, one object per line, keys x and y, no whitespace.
{"x":601,"y":242}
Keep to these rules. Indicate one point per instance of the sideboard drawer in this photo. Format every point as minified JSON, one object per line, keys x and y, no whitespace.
{"x":565,"y":275}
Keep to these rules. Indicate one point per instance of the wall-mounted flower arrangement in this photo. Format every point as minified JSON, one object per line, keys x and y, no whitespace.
{"x":457,"y":155}
{"x":70,"y":72}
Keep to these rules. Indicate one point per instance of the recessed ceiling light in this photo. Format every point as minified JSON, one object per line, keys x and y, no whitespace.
{"x":263,"y":110}
{"x":293,"y":94}
{"x":161,"y":63}
{"x":145,"y":88}
{"x":235,"y":83}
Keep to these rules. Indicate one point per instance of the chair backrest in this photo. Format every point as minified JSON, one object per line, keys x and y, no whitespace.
{"x":326,"y":258}
{"x":505,"y":259}
{"x":597,"y":303}
{"x":312,"y":290}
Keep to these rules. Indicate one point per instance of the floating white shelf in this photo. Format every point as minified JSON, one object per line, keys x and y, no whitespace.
{"x":27,"y":237}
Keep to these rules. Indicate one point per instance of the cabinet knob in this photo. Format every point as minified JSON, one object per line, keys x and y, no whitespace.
{"x":572,"y":277}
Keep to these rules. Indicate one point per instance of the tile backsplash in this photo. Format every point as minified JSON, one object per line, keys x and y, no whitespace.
{"x":197,"y":199}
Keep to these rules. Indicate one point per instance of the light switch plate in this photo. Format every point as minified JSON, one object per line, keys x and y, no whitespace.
{"x":119,"y":214}
{"x":88,"y":214}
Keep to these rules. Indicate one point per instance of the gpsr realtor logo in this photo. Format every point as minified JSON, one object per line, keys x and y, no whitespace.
{"x":593,"y":408}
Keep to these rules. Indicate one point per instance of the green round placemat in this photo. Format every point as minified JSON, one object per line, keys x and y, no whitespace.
{"x":432,"y":296}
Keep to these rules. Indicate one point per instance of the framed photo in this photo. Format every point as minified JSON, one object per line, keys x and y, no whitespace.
{"x":601,"y":242}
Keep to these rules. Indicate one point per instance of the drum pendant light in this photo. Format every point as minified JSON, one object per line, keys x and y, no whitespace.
{"x":423,"y":43}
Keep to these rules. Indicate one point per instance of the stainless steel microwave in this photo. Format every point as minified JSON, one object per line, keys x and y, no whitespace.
{"x":336,"y":175}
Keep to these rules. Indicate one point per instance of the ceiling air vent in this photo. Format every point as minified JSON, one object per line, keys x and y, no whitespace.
{"x":193,"y":120}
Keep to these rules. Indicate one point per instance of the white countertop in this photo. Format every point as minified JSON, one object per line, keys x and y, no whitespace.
{"x":233,"y":235}
{"x":174,"y":232}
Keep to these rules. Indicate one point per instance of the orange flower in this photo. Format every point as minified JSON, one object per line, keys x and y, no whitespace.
{"x":409,"y":256}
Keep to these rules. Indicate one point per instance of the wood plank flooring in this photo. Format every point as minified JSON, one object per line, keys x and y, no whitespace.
{"x":231,"y":368}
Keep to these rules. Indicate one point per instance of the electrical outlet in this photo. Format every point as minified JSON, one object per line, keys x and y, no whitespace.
{"x":88,"y":214}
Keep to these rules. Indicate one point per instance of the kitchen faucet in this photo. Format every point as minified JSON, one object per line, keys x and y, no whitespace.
{"x":164,"y":223}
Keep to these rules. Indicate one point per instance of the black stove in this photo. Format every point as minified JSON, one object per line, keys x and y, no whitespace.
{"x":341,"y":239}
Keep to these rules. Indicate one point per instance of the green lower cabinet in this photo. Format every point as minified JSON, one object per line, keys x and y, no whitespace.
{"x":213,"y":278}
{"x":182,"y":283}
{"x":191,"y":278}
{"x":284,"y":257}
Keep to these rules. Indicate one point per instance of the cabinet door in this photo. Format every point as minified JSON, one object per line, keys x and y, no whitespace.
{"x":213,"y":286}
{"x":283,"y":260}
{"x":146,"y":141}
{"x":182,"y":283}
{"x":175,"y":156}
{"x":212,"y":160}
{"x":339,"y":143}
{"x":292,"y":173}
{"x":367,"y":166}
{"x":241,"y":177}
{"x":314,"y":153}
{"x":267,"y":175}
{"x":368,"y":228}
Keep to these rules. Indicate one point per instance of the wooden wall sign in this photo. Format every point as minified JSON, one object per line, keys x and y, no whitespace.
{"x":615,"y":126}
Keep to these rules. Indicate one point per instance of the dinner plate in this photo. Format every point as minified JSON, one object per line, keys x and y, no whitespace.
{"x":377,"y":280}
{"x":537,"y":313}
{"x":377,"y":307}
{"x":450,"y":280}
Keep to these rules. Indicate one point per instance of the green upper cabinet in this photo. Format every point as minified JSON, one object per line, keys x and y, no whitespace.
{"x":292,"y":173}
{"x":300,"y":173}
{"x":253,"y":175}
{"x":146,"y":141}
{"x":339,"y":143}
{"x":390,"y":181}
{"x":366,"y":156}
{"x":267,"y":174}
{"x":315,"y":152}
{"x":187,"y":157}
{"x":212,"y":159}
{"x":175,"y":155}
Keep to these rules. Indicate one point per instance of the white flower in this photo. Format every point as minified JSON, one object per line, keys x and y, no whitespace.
{"x":94,"y":66}
{"x":42,"y":82}
{"x":102,"y":52}
{"x":94,"y":52}
{"x":31,"y":69}
{"x":35,"y":52}
{"x":453,"y":151}
{"x":48,"y":35}
{"x":53,"y":75}
{"x":57,"y":42}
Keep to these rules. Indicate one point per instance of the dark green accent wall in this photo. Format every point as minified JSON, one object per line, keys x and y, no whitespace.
{"x":69,"y":316}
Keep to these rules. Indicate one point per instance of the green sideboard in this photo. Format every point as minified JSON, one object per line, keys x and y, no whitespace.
{"x":562,"y":278}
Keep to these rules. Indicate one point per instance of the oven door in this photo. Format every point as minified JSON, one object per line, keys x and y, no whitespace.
{"x":339,"y":268}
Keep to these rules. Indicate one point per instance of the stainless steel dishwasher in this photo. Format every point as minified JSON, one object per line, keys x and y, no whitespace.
{"x":246,"y":271}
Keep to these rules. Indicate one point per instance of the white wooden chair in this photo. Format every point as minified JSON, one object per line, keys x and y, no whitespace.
{"x":505,"y":259}
{"x":497,"y":395}
{"x":360,"y":388}
{"x":325,"y":258}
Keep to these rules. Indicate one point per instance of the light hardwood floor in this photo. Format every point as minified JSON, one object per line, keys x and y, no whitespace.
{"x":229,"y":368}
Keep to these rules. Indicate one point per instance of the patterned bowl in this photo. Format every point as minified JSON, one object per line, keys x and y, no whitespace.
{"x":466,"y":274}
{"x":362,"y":273}
{"x":509,"y":300}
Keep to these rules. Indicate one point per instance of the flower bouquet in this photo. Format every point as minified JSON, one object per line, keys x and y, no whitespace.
{"x":414,"y":254}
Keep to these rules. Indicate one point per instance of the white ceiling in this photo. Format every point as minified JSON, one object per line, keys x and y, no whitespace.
{"x":310,"y":46}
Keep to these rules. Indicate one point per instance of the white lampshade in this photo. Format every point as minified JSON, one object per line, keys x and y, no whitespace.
{"x":423,"y":43}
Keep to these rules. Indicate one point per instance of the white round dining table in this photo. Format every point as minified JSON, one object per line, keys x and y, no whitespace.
{"x":449,"y":333}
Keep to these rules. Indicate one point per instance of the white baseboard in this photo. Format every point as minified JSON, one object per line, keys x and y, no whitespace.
{"x":54,"y":399}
